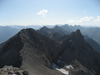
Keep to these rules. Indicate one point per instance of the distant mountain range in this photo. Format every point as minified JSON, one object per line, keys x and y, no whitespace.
{"x":40,"y":55}
{"x":52,"y":33}
{"x":58,"y":33}
{"x":6,"y":33}
{"x":92,"y":32}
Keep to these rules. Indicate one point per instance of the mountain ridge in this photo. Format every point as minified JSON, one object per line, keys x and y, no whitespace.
{"x":26,"y":46}
{"x":37,"y":53}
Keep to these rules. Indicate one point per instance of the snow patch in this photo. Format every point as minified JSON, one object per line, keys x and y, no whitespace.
{"x":63,"y":71}
{"x":69,"y":67}
{"x":60,"y":69}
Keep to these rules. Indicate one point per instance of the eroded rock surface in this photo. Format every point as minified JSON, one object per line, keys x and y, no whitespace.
{"x":10,"y":70}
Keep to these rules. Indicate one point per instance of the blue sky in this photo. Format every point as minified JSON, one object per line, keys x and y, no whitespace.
{"x":50,"y":12}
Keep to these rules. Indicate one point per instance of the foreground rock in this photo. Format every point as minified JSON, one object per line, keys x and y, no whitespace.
{"x":10,"y":70}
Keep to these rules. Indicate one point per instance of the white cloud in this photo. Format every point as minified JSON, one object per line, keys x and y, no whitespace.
{"x":43,"y":12}
{"x":98,"y":19}
{"x":40,"y":21}
{"x":86,"y":19}
{"x":15,"y":23}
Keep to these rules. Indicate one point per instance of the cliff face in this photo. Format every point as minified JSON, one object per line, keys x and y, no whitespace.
{"x":30,"y":50}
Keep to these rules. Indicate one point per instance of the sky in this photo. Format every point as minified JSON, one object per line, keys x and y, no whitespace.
{"x":50,"y":12}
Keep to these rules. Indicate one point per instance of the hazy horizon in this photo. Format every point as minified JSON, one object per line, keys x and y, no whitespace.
{"x":53,"y":12}
{"x":50,"y":25}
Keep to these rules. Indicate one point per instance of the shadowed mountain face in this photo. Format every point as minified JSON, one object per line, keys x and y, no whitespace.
{"x":76,"y":49}
{"x":92,"y":32}
{"x":60,"y":30}
{"x":48,"y":31}
{"x":56,"y":33}
{"x":66,"y":27}
{"x":37,"y":53}
{"x":30,"y":50}
{"x":1,"y":44}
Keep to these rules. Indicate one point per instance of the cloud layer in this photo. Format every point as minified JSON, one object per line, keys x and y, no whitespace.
{"x":43,"y":12}
{"x":98,"y":19}
{"x":85,"y":21}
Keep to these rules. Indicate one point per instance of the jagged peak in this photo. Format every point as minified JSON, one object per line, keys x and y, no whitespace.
{"x":75,"y":37}
{"x":44,"y":27}
{"x":56,"y":26}
{"x":27,"y":29}
{"x":78,"y":31}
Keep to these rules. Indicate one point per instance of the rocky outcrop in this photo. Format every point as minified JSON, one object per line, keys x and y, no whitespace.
{"x":10,"y":70}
